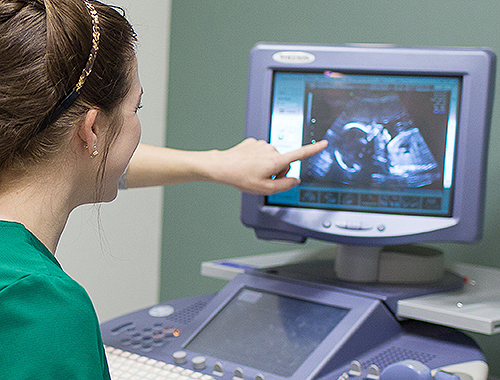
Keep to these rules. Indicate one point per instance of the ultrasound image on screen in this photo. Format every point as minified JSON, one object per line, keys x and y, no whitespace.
{"x":377,"y":138}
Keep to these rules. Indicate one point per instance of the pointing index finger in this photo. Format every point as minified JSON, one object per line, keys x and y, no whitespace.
{"x":305,"y":151}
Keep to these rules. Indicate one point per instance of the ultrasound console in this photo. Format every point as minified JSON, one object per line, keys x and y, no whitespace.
{"x":406,"y":162}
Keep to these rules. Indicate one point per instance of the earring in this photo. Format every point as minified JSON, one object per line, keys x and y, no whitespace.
{"x":95,"y":152}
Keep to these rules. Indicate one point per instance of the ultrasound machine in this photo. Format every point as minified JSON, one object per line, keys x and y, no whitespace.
{"x":408,"y":131}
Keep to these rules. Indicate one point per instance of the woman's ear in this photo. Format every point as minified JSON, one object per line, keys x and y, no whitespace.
{"x":88,"y":131}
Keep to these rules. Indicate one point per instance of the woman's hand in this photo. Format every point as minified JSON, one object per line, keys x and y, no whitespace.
{"x":255,"y":167}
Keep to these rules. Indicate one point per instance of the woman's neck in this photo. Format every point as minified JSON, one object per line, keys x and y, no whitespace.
{"x":42,"y":203}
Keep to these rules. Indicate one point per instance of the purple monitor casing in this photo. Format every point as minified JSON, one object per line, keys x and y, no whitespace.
{"x":304,"y":217}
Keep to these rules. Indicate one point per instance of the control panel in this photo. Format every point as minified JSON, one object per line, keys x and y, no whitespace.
{"x":251,"y":333}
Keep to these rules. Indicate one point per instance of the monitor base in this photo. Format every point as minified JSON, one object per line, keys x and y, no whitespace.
{"x":401,"y":264}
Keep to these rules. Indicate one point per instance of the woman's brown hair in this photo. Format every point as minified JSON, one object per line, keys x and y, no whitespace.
{"x":44,"y":47}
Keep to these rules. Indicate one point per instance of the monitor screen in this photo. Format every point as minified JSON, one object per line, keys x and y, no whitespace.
{"x":267,"y":331}
{"x":392,"y":140}
{"x":407,"y":129}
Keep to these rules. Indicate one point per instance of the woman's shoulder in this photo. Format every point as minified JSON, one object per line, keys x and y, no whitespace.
{"x":50,"y":320}
{"x":22,"y":255}
{"x":32,"y":280}
{"x":48,"y":296}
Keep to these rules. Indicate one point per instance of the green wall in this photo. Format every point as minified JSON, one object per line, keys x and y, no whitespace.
{"x":210,"y":42}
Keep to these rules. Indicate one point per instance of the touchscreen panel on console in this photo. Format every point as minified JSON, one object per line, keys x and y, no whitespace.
{"x":267,"y":331}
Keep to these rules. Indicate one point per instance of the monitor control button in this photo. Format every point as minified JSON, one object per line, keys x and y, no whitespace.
{"x":341,"y":225}
{"x":354,"y":225}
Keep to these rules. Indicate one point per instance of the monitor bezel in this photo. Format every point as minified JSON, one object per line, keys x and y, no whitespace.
{"x":475,"y":66}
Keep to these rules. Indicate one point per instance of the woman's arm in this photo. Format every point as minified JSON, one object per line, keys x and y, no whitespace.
{"x":252,"y":166}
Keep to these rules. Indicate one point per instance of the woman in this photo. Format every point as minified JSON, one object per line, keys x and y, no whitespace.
{"x":69,"y":96}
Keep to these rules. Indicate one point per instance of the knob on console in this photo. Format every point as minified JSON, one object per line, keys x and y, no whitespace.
{"x":199,"y":363}
{"x":180,"y":357}
{"x":408,"y":370}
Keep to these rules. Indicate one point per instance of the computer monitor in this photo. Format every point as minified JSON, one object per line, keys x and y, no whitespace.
{"x":407,"y":129}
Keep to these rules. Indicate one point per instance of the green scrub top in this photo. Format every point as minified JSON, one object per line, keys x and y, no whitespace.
{"x":48,"y":326}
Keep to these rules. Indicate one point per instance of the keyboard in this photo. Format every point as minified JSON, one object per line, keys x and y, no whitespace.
{"x":124,"y":365}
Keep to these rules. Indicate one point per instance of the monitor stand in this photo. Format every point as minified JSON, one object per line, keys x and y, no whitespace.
{"x":401,"y":264}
